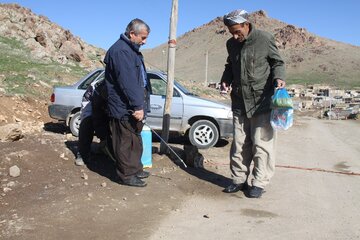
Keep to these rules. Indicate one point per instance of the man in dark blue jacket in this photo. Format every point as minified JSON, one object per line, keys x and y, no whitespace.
{"x":128,"y":99}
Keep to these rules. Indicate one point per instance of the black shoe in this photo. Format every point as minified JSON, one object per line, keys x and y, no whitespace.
{"x":134,"y":182}
{"x":255,"y":192}
{"x":143,"y":174}
{"x":235,"y":187}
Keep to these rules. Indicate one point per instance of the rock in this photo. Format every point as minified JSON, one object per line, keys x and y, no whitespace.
{"x":41,"y":38}
{"x":6,"y":189}
{"x":14,"y":171}
{"x":17,"y":119}
{"x":45,"y":84}
{"x":48,"y":186}
{"x":103,"y":184}
{"x":63,"y":156}
{"x":72,"y":50}
{"x":2,"y":118}
{"x":10,"y":132}
{"x":206,"y":216}
{"x":84,"y":176}
{"x":10,"y":184}
{"x":32,"y":76}
{"x":69,"y":136}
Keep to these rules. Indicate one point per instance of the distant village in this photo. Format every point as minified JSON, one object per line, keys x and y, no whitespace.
{"x":331,"y":102}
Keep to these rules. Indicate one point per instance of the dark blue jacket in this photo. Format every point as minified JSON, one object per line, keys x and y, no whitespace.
{"x":124,"y":79}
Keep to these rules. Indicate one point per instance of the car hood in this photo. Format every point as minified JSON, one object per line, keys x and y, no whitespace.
{"x":197,"y":101}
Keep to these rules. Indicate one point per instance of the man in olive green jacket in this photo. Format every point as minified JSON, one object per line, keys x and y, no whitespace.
{"x":254,"y":68}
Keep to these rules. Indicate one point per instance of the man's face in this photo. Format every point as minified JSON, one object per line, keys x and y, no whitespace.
{"x":139,"y":38}
{"x":239,"y":31}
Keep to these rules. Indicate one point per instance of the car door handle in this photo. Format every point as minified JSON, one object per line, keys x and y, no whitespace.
{"x":155,"y":106}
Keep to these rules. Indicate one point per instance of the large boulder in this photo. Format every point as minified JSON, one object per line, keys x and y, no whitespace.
{"x":10,"y":132}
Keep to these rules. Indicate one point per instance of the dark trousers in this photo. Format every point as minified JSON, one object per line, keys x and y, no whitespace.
{"x":100,"y":117}
{"x":86,"y":134}
{"x":127,"y":146}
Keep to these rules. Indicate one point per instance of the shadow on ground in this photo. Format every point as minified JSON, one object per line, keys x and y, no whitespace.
{"x":57,"y":127}
{"x":105,"y":167}
{"x":184,"y":140}
{"x":98,"y":161}
{"x":199,"y":172}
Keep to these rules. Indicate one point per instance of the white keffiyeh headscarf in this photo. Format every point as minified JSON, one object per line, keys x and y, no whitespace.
{"x":236,"y":17}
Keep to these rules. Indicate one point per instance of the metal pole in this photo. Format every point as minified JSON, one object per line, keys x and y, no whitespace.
{"x":162,"y":140}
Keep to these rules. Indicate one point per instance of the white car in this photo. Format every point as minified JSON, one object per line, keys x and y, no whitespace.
{"x":203,"y":121}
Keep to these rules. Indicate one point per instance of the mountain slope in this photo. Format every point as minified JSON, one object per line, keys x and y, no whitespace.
{"x":309,"y":58}
{"x":36,"y":54}
{"x":46,"y":40}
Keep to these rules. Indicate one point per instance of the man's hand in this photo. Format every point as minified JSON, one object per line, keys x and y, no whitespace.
{"x":224,"y":88}
{"x":138,"y":115}
{"x":280,"y":83}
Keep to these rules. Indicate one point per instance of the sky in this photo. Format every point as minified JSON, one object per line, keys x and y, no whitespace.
{"x":100,"y":23}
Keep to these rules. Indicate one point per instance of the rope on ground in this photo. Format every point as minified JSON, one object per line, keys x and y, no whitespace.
{"x":319,"y":170}
{"x":299,"y":168}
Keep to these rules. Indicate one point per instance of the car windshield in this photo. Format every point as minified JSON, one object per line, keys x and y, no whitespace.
{"x":183,"y":89}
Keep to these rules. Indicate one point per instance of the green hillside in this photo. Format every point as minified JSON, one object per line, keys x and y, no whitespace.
{"x":22,"y":74}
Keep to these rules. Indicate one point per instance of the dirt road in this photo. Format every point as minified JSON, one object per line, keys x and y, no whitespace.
{"x":299,"y":204}
{"x":54,"y":199}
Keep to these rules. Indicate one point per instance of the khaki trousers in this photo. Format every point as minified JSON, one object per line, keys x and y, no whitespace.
{"x":254,"y":140}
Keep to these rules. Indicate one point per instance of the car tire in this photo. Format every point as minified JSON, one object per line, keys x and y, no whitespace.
{"x":74,"y":124}
{"x":203,"y":134}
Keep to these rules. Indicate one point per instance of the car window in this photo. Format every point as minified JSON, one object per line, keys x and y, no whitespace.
{"x":97,"y":75}
{"x":158,"y":86}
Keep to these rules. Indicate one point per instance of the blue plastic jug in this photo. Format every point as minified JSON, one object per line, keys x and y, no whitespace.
{"x":146,"y":158}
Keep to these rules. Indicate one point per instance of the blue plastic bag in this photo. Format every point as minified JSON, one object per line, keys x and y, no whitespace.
{"x":281,"y":99}
{"x":282,"y":110}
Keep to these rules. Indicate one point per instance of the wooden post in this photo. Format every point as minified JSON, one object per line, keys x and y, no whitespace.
{"x":206,"y":67}
{"x":170,"y":76}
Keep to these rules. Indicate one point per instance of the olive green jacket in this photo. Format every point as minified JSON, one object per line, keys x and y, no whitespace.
{"x":252,"y":68}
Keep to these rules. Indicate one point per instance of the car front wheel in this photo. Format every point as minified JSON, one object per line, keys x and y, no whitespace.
{"x":75,"y":124}
{"x":203,"y":134}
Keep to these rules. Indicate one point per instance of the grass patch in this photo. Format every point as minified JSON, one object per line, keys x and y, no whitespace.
{"x":26,"y":75}
{"x":12,"y":43}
